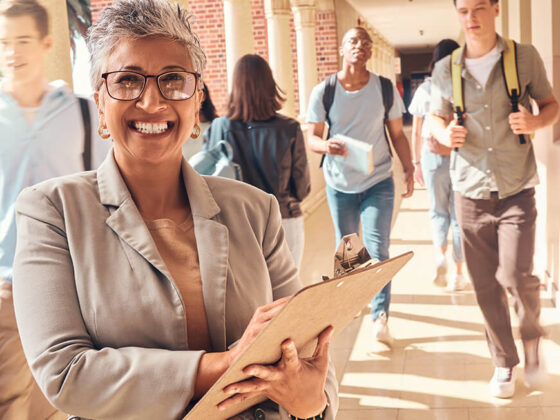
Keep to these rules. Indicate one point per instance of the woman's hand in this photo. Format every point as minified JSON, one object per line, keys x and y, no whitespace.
{"x":260,"y":319}
{"x":288,"y":380}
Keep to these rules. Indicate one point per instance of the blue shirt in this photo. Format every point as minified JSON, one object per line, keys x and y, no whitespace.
{"x":358,"y":114}
{"x":51,"y":146}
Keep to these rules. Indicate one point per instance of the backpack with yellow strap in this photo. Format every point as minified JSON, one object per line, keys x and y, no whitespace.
{"x":509,"y":70}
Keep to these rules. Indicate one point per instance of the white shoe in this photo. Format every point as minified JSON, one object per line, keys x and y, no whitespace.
{"x":441,"y":270}
{"x":502,"y":384}
{"x":381,"y":330}
{"x":536,"y":373}
{"x":457,"y":283}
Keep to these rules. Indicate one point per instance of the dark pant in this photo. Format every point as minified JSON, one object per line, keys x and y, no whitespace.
{"x":498,"y":238}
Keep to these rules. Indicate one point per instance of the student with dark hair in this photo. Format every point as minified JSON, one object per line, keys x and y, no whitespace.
{"x":431,"y":168}
{"x":206,"y":115}
{"x":268,"y":146}
{"x":494,"y":173}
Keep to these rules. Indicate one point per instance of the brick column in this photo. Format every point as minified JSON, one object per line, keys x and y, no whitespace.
{"x":238,"y":26}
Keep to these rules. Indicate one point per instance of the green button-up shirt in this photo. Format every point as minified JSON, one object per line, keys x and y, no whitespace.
{"x":491,"y":149}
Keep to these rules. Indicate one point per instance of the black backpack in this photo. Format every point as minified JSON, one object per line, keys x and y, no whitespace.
{"x":86,"y":155}
{"x":386,"y":93}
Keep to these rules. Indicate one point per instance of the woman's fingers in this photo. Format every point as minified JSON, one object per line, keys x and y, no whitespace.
{"x":290,"y":357}
{"x":236,"y":399}
{"x":266,"y":373}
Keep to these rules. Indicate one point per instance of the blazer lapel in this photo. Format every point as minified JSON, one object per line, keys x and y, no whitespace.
{"x":125,"y":219}
{"x":212,"y":239}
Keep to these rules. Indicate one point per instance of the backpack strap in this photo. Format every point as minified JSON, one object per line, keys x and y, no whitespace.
{"x":86,"y":155}
{"x":458,"y":92}
{"x":457,"y":80}
{"x":328,"y":99}
{"x":511,"y":77}
{"x":387,"y":93}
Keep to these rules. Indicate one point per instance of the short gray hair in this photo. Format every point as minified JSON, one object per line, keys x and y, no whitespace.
{"x":136,"y":19}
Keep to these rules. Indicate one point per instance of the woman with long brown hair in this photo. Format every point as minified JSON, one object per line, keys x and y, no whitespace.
{"x":268,"y":146}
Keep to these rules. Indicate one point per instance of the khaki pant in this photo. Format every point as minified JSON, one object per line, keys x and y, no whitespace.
{"x":498,"y":237}
{"x":20,"y":397}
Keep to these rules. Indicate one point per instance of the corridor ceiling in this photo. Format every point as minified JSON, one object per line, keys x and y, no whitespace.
{"x":411,"y":24}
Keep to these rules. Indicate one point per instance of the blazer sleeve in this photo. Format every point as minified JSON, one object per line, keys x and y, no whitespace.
{"x":300,"y":177}
{"x":77,"y":377}
{"x":285,"y":281}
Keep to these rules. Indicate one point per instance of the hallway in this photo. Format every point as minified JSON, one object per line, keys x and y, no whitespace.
{"x":439,"y":366}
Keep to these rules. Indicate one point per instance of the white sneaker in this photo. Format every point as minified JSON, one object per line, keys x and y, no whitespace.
{"x":457,"y":283}
{"x":441,"y":270}
{"x":502,"y":384}
{"x":536,"y":373}
{"x":381,"y":330}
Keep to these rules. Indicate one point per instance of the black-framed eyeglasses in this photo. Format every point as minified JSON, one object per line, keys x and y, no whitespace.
{"x":125,"y":85}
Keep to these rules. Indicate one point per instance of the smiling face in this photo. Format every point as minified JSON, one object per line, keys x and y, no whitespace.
{"x":478,"y":17}
{"x":22,"y":49}
{"x":356,"y":47}
{"x":149,"y":129}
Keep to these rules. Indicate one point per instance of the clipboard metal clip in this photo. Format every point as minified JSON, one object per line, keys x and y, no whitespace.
{"x":350,"y":255}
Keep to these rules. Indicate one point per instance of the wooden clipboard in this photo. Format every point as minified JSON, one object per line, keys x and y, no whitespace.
{"x":333,"y":302}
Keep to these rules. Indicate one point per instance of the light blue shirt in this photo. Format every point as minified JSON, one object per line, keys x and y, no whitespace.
{"x":51,"y":146}
{"x":359,"y":115}
{"x":420,"y":105}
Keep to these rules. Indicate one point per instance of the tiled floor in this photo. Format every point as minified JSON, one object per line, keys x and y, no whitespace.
{"x":439,"y":365}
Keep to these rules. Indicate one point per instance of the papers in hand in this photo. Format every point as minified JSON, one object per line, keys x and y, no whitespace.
{"x":360,"y":154}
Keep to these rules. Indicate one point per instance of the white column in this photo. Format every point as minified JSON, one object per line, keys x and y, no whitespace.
{"x":546,"y":38}
{"x":238,"y":26}
{"x":376,"y":52}
{"x":58,"y":64}
{"x":502,"y":26}
{"x":519,"y":20}
{"x":304,"y":21}
{"x":279,"y":49}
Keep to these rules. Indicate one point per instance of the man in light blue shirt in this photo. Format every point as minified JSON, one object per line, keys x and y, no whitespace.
{"x":41,"y":136}
{"x":358,"y":112}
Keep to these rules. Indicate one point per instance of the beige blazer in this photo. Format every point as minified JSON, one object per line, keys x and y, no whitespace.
{"x":102,"y":324}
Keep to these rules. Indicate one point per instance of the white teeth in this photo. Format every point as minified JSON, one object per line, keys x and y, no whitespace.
{"x":150,"y":128}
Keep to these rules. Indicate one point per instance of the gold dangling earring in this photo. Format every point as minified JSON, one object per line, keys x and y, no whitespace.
{"x":195,"y":131}
{"x":103,"y":132}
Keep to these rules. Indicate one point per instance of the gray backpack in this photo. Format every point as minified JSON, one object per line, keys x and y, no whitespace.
{"x":217,"y":161}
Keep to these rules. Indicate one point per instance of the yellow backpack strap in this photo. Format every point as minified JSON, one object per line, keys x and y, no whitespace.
{"x":511,"y":78}
{"x":509,"y":70}
{"x":457,"y":79}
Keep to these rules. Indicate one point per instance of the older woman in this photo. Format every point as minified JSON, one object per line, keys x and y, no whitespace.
{"x":132,"y":282}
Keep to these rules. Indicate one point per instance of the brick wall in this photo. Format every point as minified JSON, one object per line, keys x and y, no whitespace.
{"x":326,"y":42}
{"x":209,"y":25}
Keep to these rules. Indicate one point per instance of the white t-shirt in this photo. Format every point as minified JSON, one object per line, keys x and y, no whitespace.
{"x":481,"y":67}
{"x":30,"y":114}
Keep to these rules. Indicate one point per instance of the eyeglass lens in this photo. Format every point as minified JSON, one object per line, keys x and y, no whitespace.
{"x":172,"y":85}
